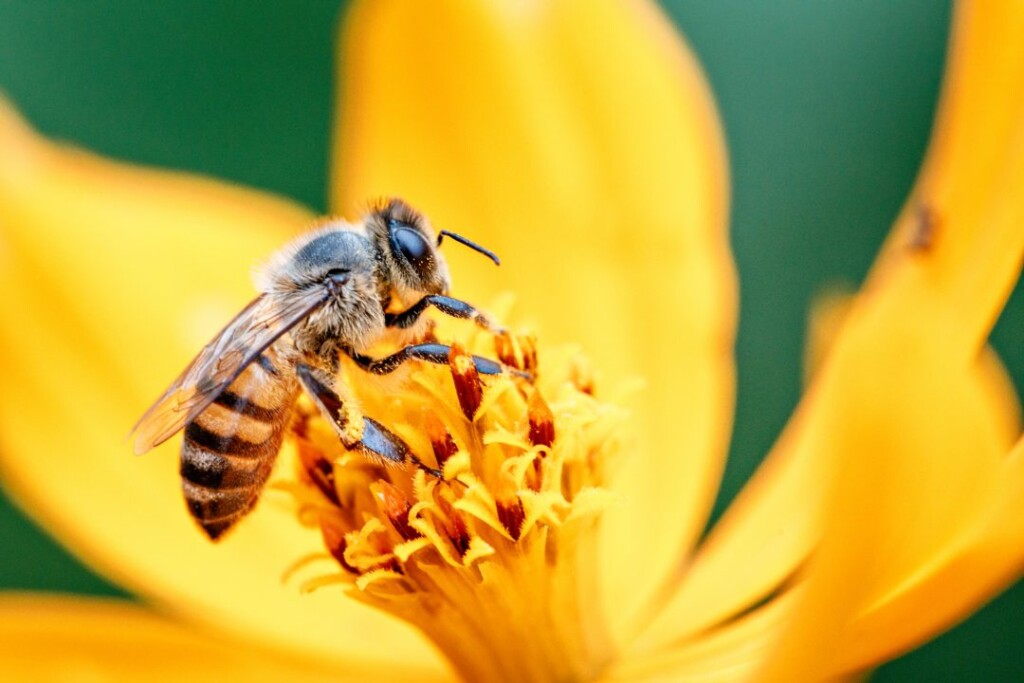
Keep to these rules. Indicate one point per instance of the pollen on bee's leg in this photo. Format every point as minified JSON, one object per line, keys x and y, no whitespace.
{"x":467,"y":380}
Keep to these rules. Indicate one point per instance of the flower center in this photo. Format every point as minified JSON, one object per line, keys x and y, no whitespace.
{"x":495,"y":561}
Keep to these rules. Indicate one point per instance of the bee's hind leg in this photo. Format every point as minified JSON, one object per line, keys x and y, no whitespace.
{"x":375,"y":439}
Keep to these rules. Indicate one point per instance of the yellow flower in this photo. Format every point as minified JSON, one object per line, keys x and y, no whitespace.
{"x":580,"y":143}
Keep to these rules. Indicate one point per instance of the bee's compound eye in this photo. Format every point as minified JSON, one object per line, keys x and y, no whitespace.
{"x":412,"y":246}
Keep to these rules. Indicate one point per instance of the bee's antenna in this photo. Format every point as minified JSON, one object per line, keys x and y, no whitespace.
{"x":469,"y":243}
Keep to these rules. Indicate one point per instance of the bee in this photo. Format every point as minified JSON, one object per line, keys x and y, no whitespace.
{"x":333,"y":292}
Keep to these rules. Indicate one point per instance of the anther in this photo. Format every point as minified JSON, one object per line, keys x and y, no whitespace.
{"x":334,"y":541}
{"x":516,"y":351}
{"x":440,"y":440}
{"x":528,"y":345}
{"x":458,"y":533}
{"x":511,"y":515}
{"x":319,"y":469}
{"x":453,"y":523}
{"x":542,"y":421}
{"x":582,"y":377}
{"x":467,"y":380}
{"x":505,"y":349}
{"x":392,"y":565}
{"x":396,"y":506}
{"x":535,"y":476}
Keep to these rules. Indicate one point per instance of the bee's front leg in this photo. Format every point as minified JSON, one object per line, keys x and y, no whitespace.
{"x":447,"y":305}
{"x":373,"y":439}
{"x":431,"y":353}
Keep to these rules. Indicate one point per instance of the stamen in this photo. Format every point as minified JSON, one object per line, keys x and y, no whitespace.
{"x":582,"y":376}
{"x":491,"y":561}
{"x":454,"y":524}
{"x":542,"y":421}
{"x":535,"y":475}
{"x":441,"y":440}
{"x":512,"y":516}
{"x":467,"y":380}
{"x":334,"y":541}
{"x":319,"y":470}
{"x":396,"y":506}
{"x":518,"y":352}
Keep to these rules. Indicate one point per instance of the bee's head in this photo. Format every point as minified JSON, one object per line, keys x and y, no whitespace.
{"x":410,"y":249}
{"x":407,"y":246}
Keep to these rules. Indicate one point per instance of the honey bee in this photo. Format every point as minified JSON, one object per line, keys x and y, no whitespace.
{"x":328,"y":293}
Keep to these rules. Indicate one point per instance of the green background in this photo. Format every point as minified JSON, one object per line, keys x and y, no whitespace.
{"x":827,"y":108}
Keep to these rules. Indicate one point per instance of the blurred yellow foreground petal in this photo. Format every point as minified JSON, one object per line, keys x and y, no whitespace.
{"x":72,"y":638}
{"x":115,"y":277}
{"x":580,"y":142}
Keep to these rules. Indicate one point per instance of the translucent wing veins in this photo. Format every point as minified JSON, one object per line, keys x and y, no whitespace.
{"x":222,"y":360}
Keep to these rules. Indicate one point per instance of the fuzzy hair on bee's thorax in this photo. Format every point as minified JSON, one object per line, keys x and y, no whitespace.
{"x":368,"y":277}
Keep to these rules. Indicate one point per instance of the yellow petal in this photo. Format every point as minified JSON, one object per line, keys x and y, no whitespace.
{"x":918,"y":423}
{"x":49,"y":638}
{"x":921,"y":475}
{"x":758,"y":544}
{"x":969,"y":571}
{"x":776,"y":520}
{"x":971,"y":178}
{"x":828,"y":313}
{"x":773,"y":519}
{"x":580,"y":142}
{"x":768,"y":534}
{"x":920,"y":460}
{"x":727,"y":653}
{"x":114,"y":277}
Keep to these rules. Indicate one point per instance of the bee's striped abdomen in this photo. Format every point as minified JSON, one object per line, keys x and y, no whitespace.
{"x":230,"y":448}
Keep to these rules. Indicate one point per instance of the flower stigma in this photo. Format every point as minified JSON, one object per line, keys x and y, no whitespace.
{"x":495,"y":561}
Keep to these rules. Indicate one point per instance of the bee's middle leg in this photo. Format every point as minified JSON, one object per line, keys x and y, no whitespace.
{"x":375,"y":439}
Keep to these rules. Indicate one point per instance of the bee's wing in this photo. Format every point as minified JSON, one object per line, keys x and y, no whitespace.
{"x":259,"y":325}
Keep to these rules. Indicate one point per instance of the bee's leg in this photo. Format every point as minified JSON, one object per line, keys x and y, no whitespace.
{"x":432,"y":353}
{"x":447,"y":305}
{"x":375,"y":440}
{"x":328,"y":395}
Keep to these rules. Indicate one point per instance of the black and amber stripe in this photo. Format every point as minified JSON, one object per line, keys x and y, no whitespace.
{"x":230,"y":448}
